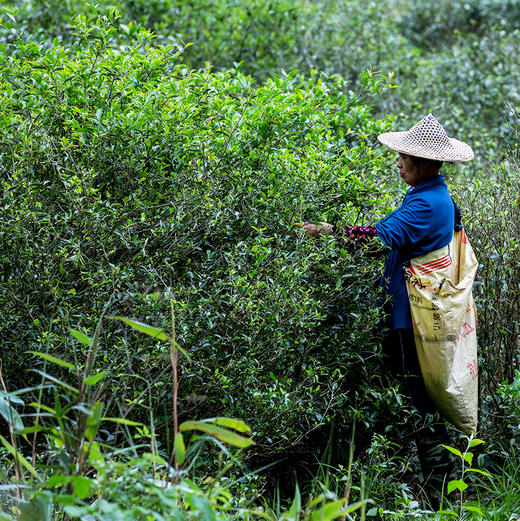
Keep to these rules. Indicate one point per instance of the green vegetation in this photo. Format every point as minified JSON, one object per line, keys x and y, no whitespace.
{"x":142,"y":175}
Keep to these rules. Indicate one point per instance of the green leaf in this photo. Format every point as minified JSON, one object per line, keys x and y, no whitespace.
{"x":5,"y":517}
{"x":53,"y":359}
{"x":57,"y":480}
{"x":39,"y":508}
{"x":453,"y":450}
{"x":472,"y":508}
{"x":78,"y":335}
{"x":93,"y":421}
{"x":56,"y":381}
{"x":468,"y":457}
{"x":17,"y":455}
{"x":296,"y":506}
{"x":180,"y":448}
{"x":122,"y":421}
{"x":231,"y":423}
{"x":478,"y":471}
{"x":74,"y":511}
{"x":457,"y":484}
{"x":32,"y":429}
{"x":154,"y":332}
{"x":218,"y":432}
{"x":475,"y":442}
{"x":10,"y":414}
{"x":329,"y":511}
{"x":94,"y":379}
{"x":204,"y":507}
{"x":81,"y":486}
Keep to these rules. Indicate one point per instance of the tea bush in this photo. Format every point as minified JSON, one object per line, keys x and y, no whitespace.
{"x":457,"y":61}
{"x":491,"y":210}
{"x":130,"y":181}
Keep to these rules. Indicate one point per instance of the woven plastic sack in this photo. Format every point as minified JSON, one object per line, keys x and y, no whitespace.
{"x":444,"y":322}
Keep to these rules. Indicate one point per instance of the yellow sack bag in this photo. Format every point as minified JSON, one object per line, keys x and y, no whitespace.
{"x":444,"y":323}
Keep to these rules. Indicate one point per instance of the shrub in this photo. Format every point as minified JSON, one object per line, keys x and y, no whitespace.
{"x":130,"y":181}
{"x":79,"y":469}
{"x":491,"y":209}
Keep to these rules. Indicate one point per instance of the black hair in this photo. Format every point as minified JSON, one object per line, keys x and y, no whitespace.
{"x":435,"y":164}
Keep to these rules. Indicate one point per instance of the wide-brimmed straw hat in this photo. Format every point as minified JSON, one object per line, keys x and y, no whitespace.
{"x":427,"y":139}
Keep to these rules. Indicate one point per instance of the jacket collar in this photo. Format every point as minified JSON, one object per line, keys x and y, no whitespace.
{"x":434,"y":181}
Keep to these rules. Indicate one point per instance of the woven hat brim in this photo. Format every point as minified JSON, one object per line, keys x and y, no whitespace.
{"x":453,"y":151}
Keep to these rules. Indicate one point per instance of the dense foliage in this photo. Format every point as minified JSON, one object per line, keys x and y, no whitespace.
{"x":131,"y":182}
{"x":457,"y":60}
{"x":139,"y":180}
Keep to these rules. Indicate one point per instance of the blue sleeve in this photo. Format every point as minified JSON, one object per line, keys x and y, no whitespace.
{"x":406,"y":225}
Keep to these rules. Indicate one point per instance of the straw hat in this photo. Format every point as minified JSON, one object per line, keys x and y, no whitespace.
{"x":427,"y":139}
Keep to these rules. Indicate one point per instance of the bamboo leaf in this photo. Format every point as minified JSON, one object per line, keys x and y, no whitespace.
{"x":43,"y":407}
{"x":154,"y":332}
{"x":93,"y":421}
{"x":78,"y":335}
{"x":94,"y":379}
{"x":180,"y":448}
{"x":296,"y":507}
{"x":478,"y":471}
{"x":56,"y":381}
{"x":220,"y":433}
{"x":17,"y":455}
{"x":329,"y":511}
{"x":53,"y":359}
{"x":122,"y":421}
{"x":231,"y":423}
{"x":10,"y":414}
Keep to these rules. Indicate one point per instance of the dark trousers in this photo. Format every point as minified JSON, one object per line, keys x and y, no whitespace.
{"x":436,"y":462}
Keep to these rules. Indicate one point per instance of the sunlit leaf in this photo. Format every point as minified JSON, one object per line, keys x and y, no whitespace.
{"x":122,"y":421}
{"x":231,"y":423}
{"x":457,"y":484}
{"x":453,"y":450}
{"x":468,"y":457}
{"x":227,"y":436}
{"x":94,"y":379}
{"x":478,"y":471}
{"x":78,"y":335}
{"x":329,"y":511}
{"x":81,"y":486}
{"x":180,"y":448}
{"x":154,"y":332}
{"x":53,"y":359}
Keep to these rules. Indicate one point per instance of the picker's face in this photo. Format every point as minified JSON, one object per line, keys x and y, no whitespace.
{"x":408,"y":170}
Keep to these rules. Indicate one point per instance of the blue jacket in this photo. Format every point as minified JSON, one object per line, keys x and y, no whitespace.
{"x":424,"y":222}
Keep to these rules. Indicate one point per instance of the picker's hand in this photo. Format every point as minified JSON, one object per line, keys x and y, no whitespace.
{"x":313,"y":230}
